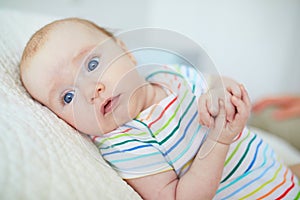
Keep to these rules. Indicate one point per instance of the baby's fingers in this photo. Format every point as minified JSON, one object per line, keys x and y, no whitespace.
{"x":242,"y":109}
{"x":235,"y":90}
{"x":204,"y":116}
{"x":245,"y":97}
{"x":221,"y":118}
{"x":229,"y":107}
{"x":222,"y":111}
{"x":213,"y":105}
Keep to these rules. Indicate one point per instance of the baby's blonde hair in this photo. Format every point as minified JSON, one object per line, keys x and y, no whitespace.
{"x":38,"y":39}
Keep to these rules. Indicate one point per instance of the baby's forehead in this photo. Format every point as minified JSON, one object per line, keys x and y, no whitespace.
{"x":60,"y":41}
{"x":71,"y":24}
{"x":70,"y":29}
{"x":76,"y":32}
{"x":69,"y":37}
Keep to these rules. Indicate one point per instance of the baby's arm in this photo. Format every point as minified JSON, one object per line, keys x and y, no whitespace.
{"x":202,"y":179}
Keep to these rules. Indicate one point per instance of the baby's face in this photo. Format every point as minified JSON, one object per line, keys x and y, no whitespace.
{"x":85,"y":78}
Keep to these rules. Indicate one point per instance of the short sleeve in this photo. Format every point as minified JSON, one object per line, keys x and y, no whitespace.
{"x":133,"y":154}
{"x":194,"y":78}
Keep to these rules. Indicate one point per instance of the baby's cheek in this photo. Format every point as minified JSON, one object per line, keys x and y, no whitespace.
{"x":86,"y":124}
{"x":84,"y":118}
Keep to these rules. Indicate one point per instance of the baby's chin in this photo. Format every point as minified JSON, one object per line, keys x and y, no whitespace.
{"x":111,"y":124}
{"x":100,"y":131}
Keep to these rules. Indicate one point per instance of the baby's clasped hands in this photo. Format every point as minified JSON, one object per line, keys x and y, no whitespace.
{"x":208,"y":103}
{"x":224,"y":131}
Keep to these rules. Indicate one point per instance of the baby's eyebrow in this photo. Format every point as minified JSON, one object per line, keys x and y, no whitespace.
{"x":81,"y":54}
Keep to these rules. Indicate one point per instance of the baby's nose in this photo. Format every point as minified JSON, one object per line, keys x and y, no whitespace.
{"x":98,"y":90}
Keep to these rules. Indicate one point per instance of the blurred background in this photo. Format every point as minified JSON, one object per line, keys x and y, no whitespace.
{"x":256,"y":42}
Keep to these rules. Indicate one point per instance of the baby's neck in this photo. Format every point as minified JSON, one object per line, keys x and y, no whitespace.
{"x":154,"y":93}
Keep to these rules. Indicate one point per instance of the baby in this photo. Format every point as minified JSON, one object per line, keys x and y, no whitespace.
{"x":157,"y":127}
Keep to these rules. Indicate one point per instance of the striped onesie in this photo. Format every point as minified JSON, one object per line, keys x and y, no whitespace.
{"x":167,"y":136}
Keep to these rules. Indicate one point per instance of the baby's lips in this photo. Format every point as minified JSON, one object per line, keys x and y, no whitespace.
{"x":102,"y":107}
{"x":108,"y":105}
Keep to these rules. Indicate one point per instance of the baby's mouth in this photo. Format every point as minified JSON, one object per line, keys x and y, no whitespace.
{"x":109,"y":104}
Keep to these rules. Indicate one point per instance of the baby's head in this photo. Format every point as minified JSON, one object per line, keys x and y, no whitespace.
{"x":83,"y":74}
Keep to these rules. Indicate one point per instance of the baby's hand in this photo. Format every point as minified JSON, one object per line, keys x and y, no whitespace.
{"x":208,"y":103}
{"x":225,"y":131}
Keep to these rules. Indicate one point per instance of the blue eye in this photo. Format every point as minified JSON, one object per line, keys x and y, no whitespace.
{"x":68,"y":97}
{"x":93,"y":64}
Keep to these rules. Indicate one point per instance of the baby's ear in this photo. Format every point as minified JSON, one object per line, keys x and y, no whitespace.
{"x":123,"y":46}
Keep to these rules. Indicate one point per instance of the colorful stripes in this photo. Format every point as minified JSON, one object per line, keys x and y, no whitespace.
{"x":172,"y":117}
{"x":240,"y":160}
{"x":275,"y":188}
{"x":163,"y":112}
{"x":263,"y":185}
{"x":236,"y":149}
{"x":167,"y":136}
{"x":245,"y":175}
{"x":288,"y":189}
{"x":252,"y":182}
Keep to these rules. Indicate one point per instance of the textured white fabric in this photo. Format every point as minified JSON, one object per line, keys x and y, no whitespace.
{"x":41,"y":157}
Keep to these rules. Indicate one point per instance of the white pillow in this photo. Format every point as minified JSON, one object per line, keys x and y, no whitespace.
{"x":41,"y":157}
